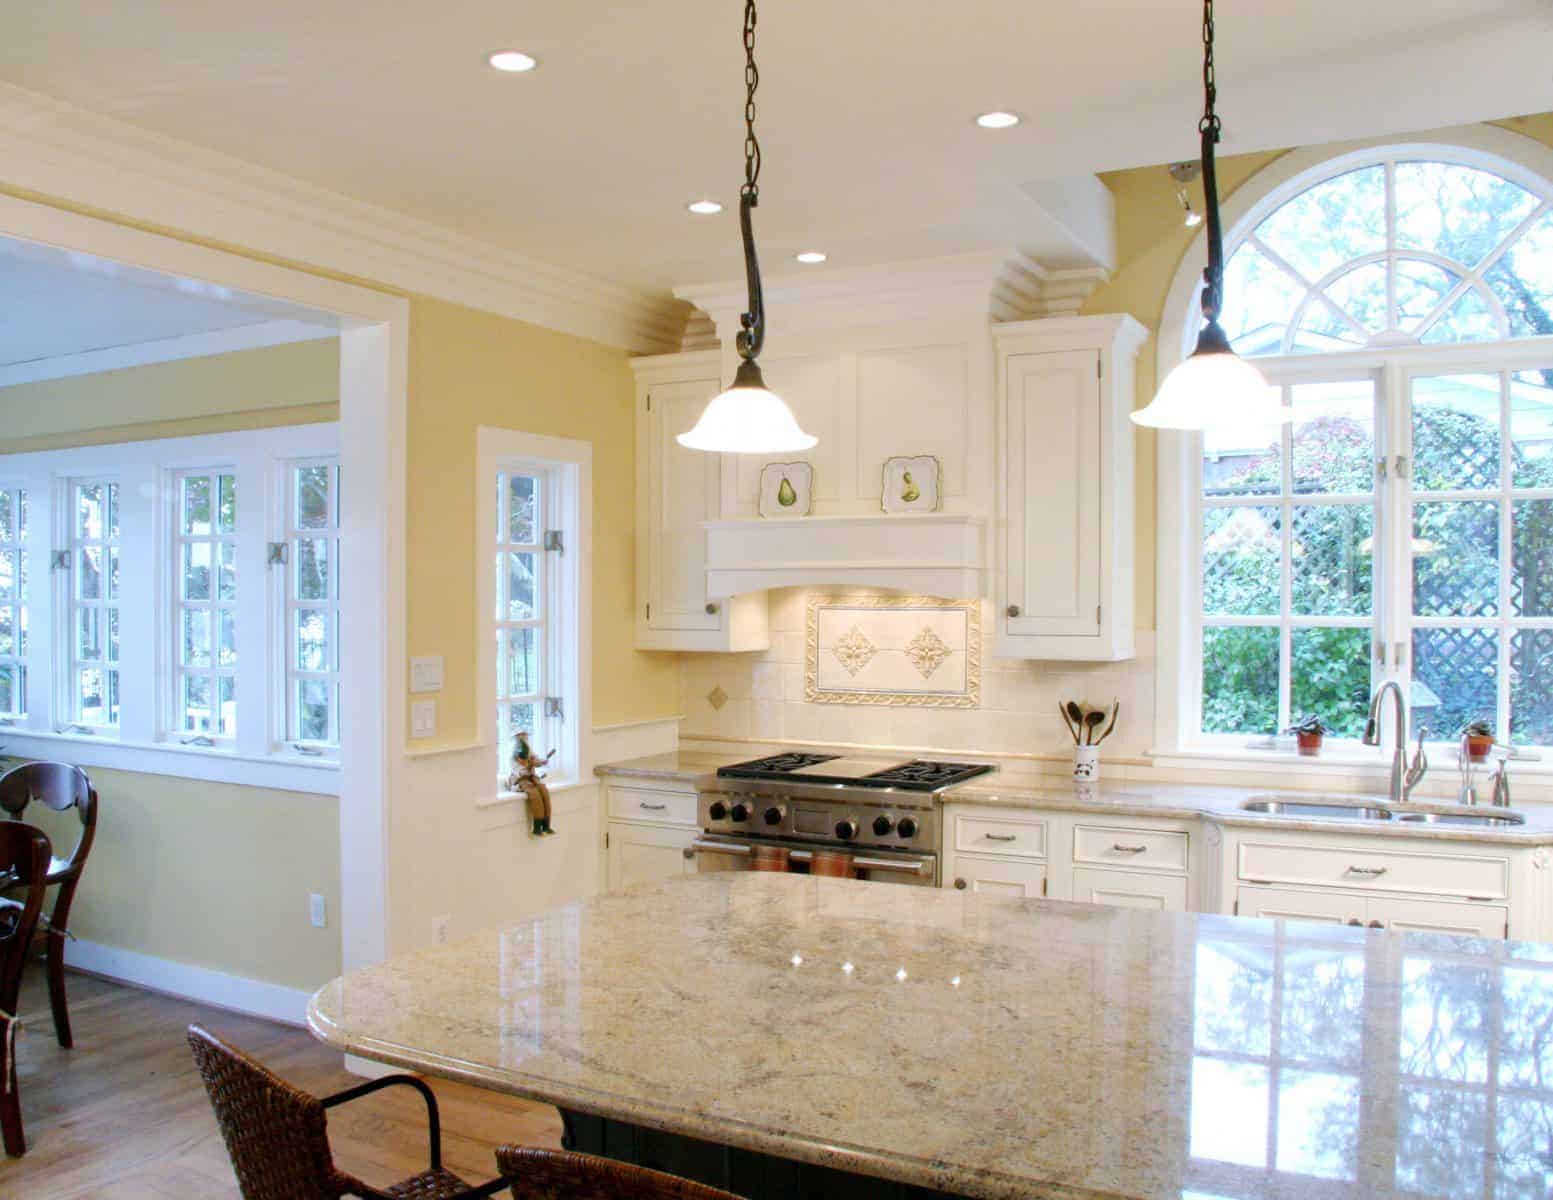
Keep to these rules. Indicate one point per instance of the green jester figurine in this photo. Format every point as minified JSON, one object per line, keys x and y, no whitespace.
{"x":526,"y":778}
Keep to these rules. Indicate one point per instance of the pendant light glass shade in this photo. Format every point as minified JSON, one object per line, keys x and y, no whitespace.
{"x":1214,"y":388}
{"x":748,"y":418}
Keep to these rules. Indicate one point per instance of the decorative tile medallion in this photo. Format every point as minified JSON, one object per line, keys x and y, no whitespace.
{"x":893,"y":650}
{"x":717,"y":698}
{"x":854,"y":650}
{"x":927,"y":652}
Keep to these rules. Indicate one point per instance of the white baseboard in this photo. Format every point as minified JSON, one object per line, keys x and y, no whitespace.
{"x":237,"y":993}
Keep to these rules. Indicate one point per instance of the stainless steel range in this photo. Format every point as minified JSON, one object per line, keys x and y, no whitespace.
{"x":881,"y":813}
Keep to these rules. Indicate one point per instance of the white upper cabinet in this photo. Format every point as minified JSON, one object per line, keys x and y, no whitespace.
{"x":1064,"y":574}
{"x":676,"y":491}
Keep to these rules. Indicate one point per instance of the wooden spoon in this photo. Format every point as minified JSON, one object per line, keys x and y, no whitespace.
{"x":1066,"y":720}
{"x":1076,"y":715}
{"x":1092,"y":722}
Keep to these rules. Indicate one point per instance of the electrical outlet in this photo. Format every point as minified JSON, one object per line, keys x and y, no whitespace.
{"x":317,"y":912}
{"x":439,"y":929}
{"x":423,"y":718}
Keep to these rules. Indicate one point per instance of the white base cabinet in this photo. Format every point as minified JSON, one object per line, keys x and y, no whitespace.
{"x":1467,"y":918}
{"x":648,"y":832}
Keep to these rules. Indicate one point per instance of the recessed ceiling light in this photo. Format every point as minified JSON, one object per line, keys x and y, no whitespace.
{"x":997,"y":120}
{"x":512,"y":61}
{"x":704,"y":208}
{"x":810,"y":256}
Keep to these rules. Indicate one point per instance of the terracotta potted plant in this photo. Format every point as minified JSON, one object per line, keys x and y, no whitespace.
{"x":1480,"y":740}
{"x":1308,"y":732}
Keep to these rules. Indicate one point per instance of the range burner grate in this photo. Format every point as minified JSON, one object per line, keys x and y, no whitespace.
{"x":924,"y":774}
{"x":776,"y":764}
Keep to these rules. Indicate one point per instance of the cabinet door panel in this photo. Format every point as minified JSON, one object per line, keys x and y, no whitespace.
{"x":986,"y":876}
{"x":1052,"y":421}
{"x":1439,"y":916}
{"x":1130,"y":889}
{"x":682,"y":492}
{"x":1288,"y":904}
{"x":643,"y":853}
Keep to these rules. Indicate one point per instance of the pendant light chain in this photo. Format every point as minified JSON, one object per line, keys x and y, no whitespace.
{"x":751,"y":82}
{"x":753,"y":321}
{"x":1209,"y":127}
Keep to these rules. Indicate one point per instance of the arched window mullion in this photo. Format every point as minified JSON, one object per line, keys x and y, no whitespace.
{"x":1492,"y":259}
{"x":1312,"y":290}
{"x":1390,"y":202}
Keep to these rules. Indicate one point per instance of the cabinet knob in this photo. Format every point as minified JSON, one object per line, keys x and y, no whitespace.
{"x":1377,"y":924}
{"x":960,"y":884}
{"x":1012,"y":610}
{"x":1355,"y":921}
{"x":688,"y":852}
{"x":711,"y":608}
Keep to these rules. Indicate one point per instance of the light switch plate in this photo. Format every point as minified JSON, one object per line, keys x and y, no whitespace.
{"x":423,"y":718}
{"x":317,"y":912}
{"x":426,"y":673}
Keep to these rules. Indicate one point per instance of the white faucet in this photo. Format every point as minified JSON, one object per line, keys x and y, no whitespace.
{"x":1404,"y":778}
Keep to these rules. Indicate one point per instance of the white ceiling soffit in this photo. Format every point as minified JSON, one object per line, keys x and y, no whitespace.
{"x":71,"y":314}
{"x":586,"y":164}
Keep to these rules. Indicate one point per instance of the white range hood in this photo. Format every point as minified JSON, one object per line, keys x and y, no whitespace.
{"x":933,"y":554}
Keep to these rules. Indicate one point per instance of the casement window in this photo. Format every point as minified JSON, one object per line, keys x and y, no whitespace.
{"x":1401,"y":527}
{"x":204,"y":565}
{"x":92,"y":633}
{"x":14,"y":566}
{"x":312,"y":605}
{"x":534,"y":521}
{"x":172,"y":606}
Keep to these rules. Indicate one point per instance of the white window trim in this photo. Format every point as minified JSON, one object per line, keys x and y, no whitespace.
{"x":571,"y":591}
{"x":1178,"y":596}
{"x":145,"y":472}
{"x":282,"y":586}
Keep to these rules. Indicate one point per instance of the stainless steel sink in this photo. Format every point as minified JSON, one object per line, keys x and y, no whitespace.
{"x":1331,"y":808}
{"x":1490,"y":819}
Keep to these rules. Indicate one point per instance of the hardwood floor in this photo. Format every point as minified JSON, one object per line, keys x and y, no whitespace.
{"x":124,"y":1113}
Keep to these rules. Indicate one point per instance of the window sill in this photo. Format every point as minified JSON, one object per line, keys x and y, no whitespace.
{"x":556,"y":787}
{"x":1346,"y":759}
{"x":286,"y":772}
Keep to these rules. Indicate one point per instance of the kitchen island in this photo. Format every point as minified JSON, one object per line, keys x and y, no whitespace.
{"x":784,"y":1036}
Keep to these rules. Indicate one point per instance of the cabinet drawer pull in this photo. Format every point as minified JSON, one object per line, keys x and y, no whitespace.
{"x":651,"y":807}
{"x":1001,"y":837}
{"x":1368,"y":872}
{"x":1121,"y":849}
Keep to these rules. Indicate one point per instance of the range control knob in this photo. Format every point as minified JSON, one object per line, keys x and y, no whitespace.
{"x":846,"y":830}
{"x":717,"y":810}
{"x":907,"y":828}
{"x":882,"y":825}
{"x":740,"y":812}
{"x":772,"y":815}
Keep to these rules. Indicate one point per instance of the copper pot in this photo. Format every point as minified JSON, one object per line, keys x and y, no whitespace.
{"x":770,"y":858}
{"x":832,"y":863}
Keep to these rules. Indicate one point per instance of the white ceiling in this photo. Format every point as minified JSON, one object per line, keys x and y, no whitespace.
{"x":865,"y":106}
{"x":59,"y":309}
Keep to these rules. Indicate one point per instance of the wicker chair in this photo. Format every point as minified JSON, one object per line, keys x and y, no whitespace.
{"x":24,"y":864}
{"x":559,"y":1175}
{"x":276,"y":1135}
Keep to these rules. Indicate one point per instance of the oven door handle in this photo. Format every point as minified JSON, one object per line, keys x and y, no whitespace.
{"x":721,"y":848}
{"x":919,"y":866}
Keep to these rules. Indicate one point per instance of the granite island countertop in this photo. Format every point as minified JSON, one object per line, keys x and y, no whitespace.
{"x":996,"y":1047}
{"x":1171,"y":801}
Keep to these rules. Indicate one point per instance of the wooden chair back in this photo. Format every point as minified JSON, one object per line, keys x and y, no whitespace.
{"x":58,"y":786}
{"x":24,"y":867}
{"x":274,"y":1133}
{"x":560,"y":1175}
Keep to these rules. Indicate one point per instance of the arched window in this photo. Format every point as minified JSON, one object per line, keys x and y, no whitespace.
{"x":1401,"y":527}
{"x":1399,"y":252}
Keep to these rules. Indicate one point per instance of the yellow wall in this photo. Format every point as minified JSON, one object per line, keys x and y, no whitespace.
{"x":245,"y":389}
{"x":467,"y":369}
{"x":1151,"y":242}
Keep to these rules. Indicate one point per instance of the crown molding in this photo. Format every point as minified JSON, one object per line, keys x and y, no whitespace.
{"x":54,"y":149}
{"x":161,"y":350}
{"x":992,"y":285}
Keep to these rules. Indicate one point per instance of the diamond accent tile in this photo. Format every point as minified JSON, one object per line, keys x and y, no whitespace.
{"x":927,"y":652}
{"x":717,"y":698}
{"x":854,"y":650}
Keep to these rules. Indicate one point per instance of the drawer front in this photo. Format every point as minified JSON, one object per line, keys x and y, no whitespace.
{"x":1374,"y":869}
{"x":648,"y":804}
{"x":999,"y":835}
{"x":989,"y":877}
{"x":1130,"y":889}
{"x":1153,"y":849}
{"x":1440,"y":916}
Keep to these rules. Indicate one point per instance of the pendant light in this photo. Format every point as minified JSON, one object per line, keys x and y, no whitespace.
{"x":749,"y":418}
{"x":1214,"y":388}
